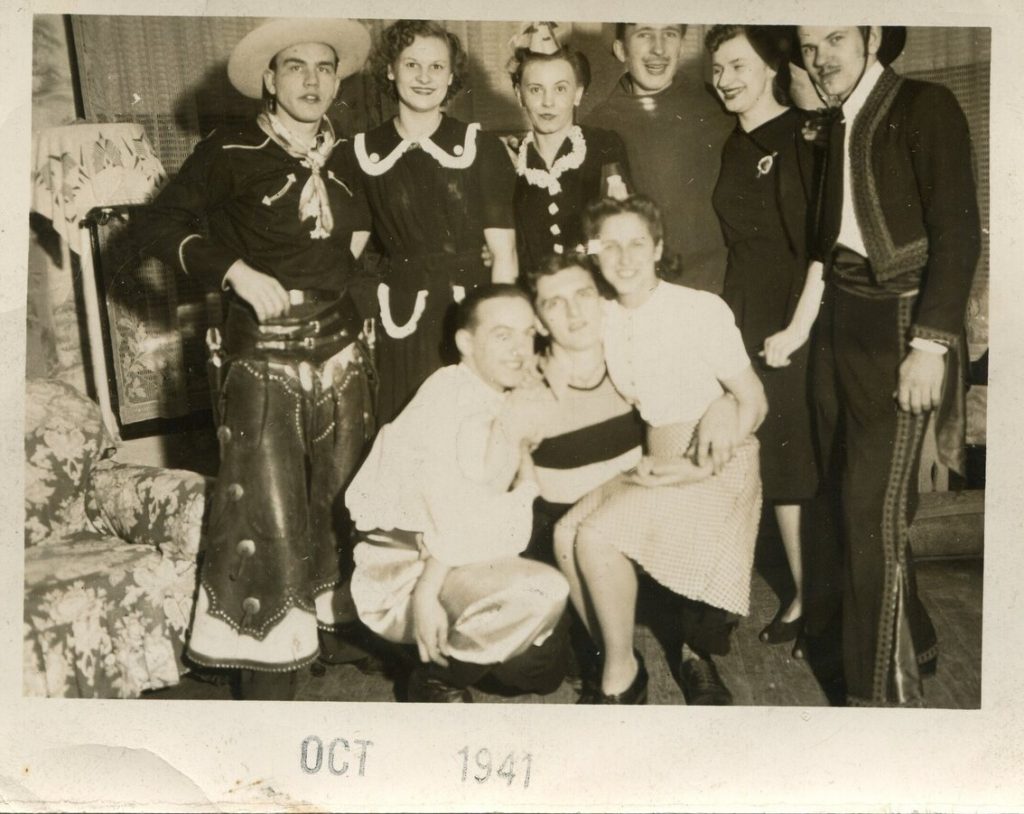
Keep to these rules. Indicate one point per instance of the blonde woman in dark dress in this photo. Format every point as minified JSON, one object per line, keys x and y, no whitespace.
{"x":561,"y":166}
{"x":439,"y":191}
{"x":761,"y":199}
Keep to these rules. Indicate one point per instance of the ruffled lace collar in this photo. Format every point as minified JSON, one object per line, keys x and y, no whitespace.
{"x":548,"y":178}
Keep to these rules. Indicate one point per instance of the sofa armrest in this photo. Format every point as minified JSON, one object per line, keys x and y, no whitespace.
{"x":149,"y":505}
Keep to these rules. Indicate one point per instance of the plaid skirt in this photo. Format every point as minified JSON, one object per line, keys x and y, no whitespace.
{"x":697,"y":539}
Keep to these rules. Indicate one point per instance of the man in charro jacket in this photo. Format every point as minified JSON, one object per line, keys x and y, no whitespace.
{"x":898,"y":230}
{"x":284,"y":223}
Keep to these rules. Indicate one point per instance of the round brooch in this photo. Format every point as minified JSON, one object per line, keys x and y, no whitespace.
{"x":764,"y":166}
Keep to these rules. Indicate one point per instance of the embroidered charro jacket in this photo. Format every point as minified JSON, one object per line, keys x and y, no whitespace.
{"x":916,"y":205}
{"x":914,"y":194}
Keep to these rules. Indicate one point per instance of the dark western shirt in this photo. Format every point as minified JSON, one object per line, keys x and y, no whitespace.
{"x":237,"y":197}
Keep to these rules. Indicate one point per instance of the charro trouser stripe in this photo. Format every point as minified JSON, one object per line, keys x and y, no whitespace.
{"x":884,"y":624}
{"x":896,"y":677}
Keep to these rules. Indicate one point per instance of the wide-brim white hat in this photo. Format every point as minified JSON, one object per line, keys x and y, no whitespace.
{"x":251,"y":57}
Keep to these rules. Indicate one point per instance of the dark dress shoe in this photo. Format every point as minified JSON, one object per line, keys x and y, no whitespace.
{"x":370,"y":665}
{"x":425,"y":688}
{"x":635,"y":693}
{"x":587,"y":681}
{"x":590,"y":692}
{"x":777,"y":631}
{"x":702,"y":685}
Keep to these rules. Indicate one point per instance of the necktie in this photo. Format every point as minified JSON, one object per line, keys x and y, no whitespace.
{"x":831,"y":204}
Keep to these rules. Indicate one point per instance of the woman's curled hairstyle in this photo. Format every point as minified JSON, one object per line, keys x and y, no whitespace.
{"x":645,"y":209}
{"x":772,"y":43}
{"x":576,"y":59}
{"x":400,"y":35}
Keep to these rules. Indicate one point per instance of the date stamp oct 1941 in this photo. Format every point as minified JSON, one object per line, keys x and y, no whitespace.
{"x":339,"y":756}
{"x":485,"y":766}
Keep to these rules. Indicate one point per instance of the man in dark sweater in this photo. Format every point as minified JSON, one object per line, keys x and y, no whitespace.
{"x":899,"y":234}
{"x":674,"y":129}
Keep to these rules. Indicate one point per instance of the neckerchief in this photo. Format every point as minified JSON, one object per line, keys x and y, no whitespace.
{"x":313,"y":200}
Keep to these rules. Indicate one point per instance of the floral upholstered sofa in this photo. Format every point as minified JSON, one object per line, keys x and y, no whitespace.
{"x":110,"y":556}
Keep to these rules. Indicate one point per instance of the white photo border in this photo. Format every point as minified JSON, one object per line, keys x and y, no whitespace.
{"x":182,"y":756}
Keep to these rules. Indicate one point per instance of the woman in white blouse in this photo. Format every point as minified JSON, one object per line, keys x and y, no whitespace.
{"x":688,"y":514}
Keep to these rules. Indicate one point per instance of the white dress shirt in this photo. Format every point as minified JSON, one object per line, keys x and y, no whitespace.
{"x":425,"y":473}
{"x":849,"y":230}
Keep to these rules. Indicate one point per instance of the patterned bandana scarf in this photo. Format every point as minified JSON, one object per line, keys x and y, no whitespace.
{"x":313,"y":200}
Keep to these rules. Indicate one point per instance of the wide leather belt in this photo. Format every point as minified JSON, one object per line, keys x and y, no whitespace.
{"x":317,"y":322}
{"x":304,"y":296}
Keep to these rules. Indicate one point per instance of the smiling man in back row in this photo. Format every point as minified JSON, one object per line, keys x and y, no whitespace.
{"x":674,"y":129}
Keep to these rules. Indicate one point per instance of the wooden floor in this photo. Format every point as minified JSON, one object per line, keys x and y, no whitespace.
{"x":757,"y":674}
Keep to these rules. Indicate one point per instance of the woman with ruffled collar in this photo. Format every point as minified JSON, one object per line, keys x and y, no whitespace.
{"x":439,"y":191}
{"x":560,"y":165}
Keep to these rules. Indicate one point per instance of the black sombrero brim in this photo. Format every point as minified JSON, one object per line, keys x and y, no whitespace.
{"x":894,"y":39}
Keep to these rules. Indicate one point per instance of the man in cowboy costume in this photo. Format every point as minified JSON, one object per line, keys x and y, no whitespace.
{"x":899,"y":234}
{"x":284,"y":224}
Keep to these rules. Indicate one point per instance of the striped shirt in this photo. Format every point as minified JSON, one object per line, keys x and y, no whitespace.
{"x":592,"y":435}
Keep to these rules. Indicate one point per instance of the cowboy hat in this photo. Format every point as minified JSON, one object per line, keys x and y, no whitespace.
{"x":894,"y":38}
{"x":251,"y":57}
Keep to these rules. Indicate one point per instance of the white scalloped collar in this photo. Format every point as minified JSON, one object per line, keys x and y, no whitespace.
{"x":452,"y":145}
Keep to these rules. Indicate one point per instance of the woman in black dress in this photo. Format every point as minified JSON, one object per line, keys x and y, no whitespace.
{"x":439,"y":191}
{"x":560,"y":166}
{"x":761,"y":199}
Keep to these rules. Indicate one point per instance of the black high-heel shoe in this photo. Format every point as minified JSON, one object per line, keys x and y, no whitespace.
{"x":778,"y":632}
{"x":635,"y":693}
